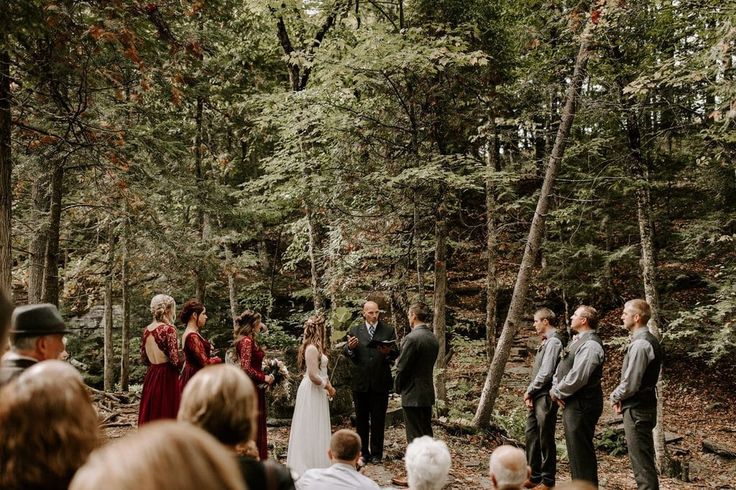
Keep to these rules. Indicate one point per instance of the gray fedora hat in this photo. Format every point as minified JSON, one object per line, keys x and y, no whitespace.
{"x":36,"y":320}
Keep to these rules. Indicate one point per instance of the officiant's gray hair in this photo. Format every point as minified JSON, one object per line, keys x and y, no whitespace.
{"x":427,"y":463}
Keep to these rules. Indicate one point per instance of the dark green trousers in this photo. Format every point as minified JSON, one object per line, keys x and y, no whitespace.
{"x":541,"y":451}
{"x":639,"y":423}
{"x":579,"y":418}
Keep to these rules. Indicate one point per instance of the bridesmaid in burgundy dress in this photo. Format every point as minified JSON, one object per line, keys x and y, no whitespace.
{"x":197,"y":349}
{"x":160,"y":352}
{"x":250,"y":356}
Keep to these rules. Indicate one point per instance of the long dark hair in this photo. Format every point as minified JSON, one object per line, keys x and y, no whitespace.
{"x":245,"y":326}
{"x":314,"y":334}
{"x":190,"y":308}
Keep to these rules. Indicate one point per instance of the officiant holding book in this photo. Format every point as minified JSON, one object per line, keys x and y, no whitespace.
{"x":371,"y":346}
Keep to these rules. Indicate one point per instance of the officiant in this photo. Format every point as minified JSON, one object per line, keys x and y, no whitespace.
{"x":371,"y":346}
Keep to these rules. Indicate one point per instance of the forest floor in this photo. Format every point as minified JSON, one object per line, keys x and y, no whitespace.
{"x":697,"y":407}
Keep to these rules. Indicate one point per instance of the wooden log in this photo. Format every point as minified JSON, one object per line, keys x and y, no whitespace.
{"x":719,"y":449}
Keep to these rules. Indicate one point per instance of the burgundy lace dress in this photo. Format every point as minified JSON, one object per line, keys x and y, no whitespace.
{"x":161,"y":393}
{"x":197,"y":354}
{"x":251,"y":361}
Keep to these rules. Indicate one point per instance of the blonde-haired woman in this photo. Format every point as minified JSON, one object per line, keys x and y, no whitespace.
{"x":160,"y":352}
{"x":164,"y":454}
{"x":222,"y":400}
{"x":310,"y":427}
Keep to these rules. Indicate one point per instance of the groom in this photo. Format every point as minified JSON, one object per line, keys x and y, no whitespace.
{"x":371,"y":378}
{"x":414,"y":376}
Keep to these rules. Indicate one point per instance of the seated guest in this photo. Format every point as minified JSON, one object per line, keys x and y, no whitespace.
{"x":222,"y":400}
{"x":508,"y":468}
{"x":427,"y":464}
{"x":162,"y":454}
{"x":344,"y":453}
{"x":36,"y":334}
{"x":6,"y":309}
{"x":576,"y":485}
{"x":49,"y":427}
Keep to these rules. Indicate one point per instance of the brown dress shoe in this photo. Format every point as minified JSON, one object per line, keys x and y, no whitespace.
{"x":542,"y":486}
{"x":400,"y":481}
{"x":531,"y":484}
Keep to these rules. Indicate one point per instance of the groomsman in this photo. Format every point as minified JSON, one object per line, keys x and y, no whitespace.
{"x":541,"y":451}
{"x":636,"y":394}
{"x":371,"y":378}
{"x":576,"y":387}
{"x":414,"y":376}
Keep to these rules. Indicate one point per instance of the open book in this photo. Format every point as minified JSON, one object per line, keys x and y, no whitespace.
{"x":387,"y":343}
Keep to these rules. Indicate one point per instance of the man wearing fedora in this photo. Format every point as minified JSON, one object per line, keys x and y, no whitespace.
{"x":36,"y":334}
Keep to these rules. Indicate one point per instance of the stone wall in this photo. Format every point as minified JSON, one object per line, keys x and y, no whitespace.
{"x":281,"y":411}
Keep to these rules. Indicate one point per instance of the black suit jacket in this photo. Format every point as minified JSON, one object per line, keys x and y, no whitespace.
{"x":414,"y":367}
{"x":371,"y":370}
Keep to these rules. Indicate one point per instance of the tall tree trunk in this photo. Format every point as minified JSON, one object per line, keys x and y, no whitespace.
{"x":231,"y":283}
{"x":124,"y":286}
{"x":440,"y":298}
{"x":39,"y":241}
{"x":51,"y":267}
{"x":313,"y":230}
{"x":109,"y":366}
{"x":418,"y":247}
{"x":491,"y":278}
{"x":399,"y":306}
{"x":6,"y":173}
{"x":200,"y":274}
{"x":518,"y":299}
{"x":648,"y":267}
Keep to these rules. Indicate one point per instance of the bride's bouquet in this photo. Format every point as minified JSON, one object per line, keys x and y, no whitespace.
{"x":281,"y":388}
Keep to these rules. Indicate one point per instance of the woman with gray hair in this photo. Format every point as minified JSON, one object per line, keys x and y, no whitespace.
{"x":427,"y":464}
{"x":160,"y":352}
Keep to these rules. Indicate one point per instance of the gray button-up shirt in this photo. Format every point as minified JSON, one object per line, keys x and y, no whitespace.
{"x":339,"y":476}
{"x":640,"y":355}
{"x":550,"y":352}
{"x":587,"y":359}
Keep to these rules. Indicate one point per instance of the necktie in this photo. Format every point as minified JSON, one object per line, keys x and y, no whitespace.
{"x":371,"y":330}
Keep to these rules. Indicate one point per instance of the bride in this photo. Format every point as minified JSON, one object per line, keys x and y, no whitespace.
{"x":310,"y":427}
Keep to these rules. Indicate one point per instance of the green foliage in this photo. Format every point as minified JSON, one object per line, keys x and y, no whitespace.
{"x":513,"y":422}
{"x":277,"y":338}
{"x":611,"y":441}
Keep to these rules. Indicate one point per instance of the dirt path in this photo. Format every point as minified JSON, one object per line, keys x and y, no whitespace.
{"x":690,"y":412}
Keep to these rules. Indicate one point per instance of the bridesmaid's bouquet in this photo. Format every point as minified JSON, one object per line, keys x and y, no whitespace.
{"x":281,"y":388}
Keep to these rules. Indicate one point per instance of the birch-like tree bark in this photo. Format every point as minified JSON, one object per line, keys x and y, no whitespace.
{"x":648,"y":267}
{"x":491,"y":238}
{"x":518,"y":299}
{"x":125,"y":287}
{"x":440,"y":297}
{"x":109,"y":367}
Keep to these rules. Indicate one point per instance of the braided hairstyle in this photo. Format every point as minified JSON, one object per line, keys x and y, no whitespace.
{"x":163,"y":308}
{"x":314,"y":334}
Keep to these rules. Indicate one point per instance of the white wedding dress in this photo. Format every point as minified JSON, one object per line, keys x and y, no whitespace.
{"x":310,"y":427}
